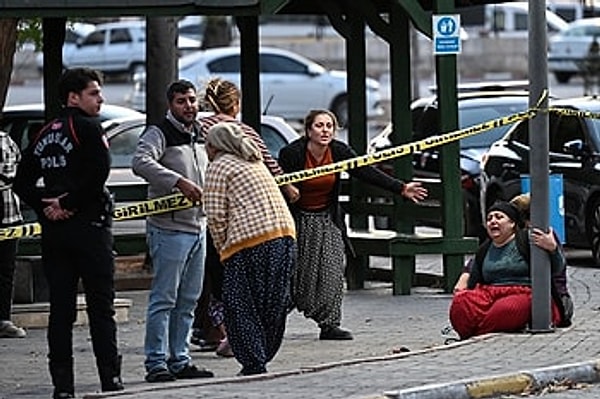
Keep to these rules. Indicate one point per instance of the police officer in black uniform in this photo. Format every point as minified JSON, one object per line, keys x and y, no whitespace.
{"x":71,"y":156}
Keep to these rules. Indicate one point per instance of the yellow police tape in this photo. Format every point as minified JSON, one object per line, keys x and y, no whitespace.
{"x":25,"y":230}
{"x":574,"y":112}
{"x":169,"y":203}
{"x":176,"y":202}
{"x":402,"y":150}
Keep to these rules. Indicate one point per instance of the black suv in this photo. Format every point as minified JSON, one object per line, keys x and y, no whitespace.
{"x":574,"y":146}
{"x":474,"y":107}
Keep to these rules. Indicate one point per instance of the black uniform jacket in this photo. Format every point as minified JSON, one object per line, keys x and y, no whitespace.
{"x":70,"y":156}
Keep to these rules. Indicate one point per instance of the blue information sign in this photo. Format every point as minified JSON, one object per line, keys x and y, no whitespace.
{"x":446,"y":34}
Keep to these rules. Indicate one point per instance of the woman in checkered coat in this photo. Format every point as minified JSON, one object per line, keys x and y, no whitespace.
{"x":254,"y":233}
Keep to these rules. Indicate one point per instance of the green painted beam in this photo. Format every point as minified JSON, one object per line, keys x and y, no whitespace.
{"x":450,"y":165}
{"x":420,"y":18}
{"x":375,"y":21}
{"x":272,"y":6}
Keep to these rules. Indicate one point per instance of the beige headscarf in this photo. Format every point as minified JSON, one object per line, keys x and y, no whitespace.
{"x":229,"y":137}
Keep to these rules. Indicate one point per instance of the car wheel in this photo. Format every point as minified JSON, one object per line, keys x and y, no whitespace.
{"x":593,"y":229}
{"x":340,"y":109}
{"x":135,"y":69}
{"x":563,"y":77}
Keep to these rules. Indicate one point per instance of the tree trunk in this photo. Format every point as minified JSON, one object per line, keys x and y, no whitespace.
{"x":53,"y":40}
{"x":161,"y":64}
{"x":8,"y":46}
{"x":217,"y":32}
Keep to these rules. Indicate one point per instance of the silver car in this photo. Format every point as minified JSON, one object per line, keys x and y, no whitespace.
{"x":568,"y":49}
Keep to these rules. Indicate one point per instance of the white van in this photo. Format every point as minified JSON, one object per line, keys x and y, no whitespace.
{"x":118,"y":47}
{"x":504,"y":20}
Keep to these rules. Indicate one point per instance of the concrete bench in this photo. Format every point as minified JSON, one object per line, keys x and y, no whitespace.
{"x":35,"y":315}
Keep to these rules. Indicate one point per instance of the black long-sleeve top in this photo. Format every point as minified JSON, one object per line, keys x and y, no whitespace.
{"x":292,"y":159}
{"x":71,"y":156}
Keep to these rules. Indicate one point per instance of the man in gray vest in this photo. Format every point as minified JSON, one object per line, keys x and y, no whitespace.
{"x":172,"y":158}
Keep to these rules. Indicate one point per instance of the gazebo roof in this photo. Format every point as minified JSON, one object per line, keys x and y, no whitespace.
{"x":84,"y":8}
{"x":59,"y":8}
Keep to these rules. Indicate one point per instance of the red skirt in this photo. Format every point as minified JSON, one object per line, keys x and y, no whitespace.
{"x":492,"y":308}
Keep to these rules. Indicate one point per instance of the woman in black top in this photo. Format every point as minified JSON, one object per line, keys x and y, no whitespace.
{"x":318,"y":282}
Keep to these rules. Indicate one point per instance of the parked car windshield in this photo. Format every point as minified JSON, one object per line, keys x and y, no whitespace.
{"x":124,"y":138}
{"x":473,"y":112}
{"x":581,"y":30}
{"x":593,"y":126}
{"x":477,"y":115}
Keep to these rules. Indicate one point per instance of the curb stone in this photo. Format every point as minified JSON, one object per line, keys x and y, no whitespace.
{"x":169,"y":386}
{"x":515,"y":384}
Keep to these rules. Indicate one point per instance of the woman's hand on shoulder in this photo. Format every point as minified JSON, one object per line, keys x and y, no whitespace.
{"x":414,"y":191}
{"x":544,"y":240}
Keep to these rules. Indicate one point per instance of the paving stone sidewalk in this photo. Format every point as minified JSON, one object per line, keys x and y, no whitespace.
{"x":373,"y":363}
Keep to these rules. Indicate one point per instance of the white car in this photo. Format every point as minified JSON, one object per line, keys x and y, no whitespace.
{"x":290,"y":83}
{"x":74,"y":33}
{"x":118,"y":47}
{"x":23,"y":122}
{"x":505,"y":20}
{"x":192,"y":27}
{"x":568,"y":49}
{"x":123,"y":127}
{"x":123,"y":136}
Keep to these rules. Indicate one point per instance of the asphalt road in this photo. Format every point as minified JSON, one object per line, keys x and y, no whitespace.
{"x":31,"y":91}
{"x":118,"y":93}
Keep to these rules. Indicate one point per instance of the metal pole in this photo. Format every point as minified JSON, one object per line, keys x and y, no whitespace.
{"x":538,"y":166}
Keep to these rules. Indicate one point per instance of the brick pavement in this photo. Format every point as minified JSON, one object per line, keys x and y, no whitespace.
{"x":306,"y":367}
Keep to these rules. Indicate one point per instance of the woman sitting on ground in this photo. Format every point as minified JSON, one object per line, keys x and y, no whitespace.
{"x":498,"y":294}
{"x":560,"y":290}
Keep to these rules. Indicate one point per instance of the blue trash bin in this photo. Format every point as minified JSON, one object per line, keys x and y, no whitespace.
{"x":556,"y":205}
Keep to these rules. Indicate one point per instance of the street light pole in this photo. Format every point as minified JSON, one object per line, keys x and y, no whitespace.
{"x":538,"y":165}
